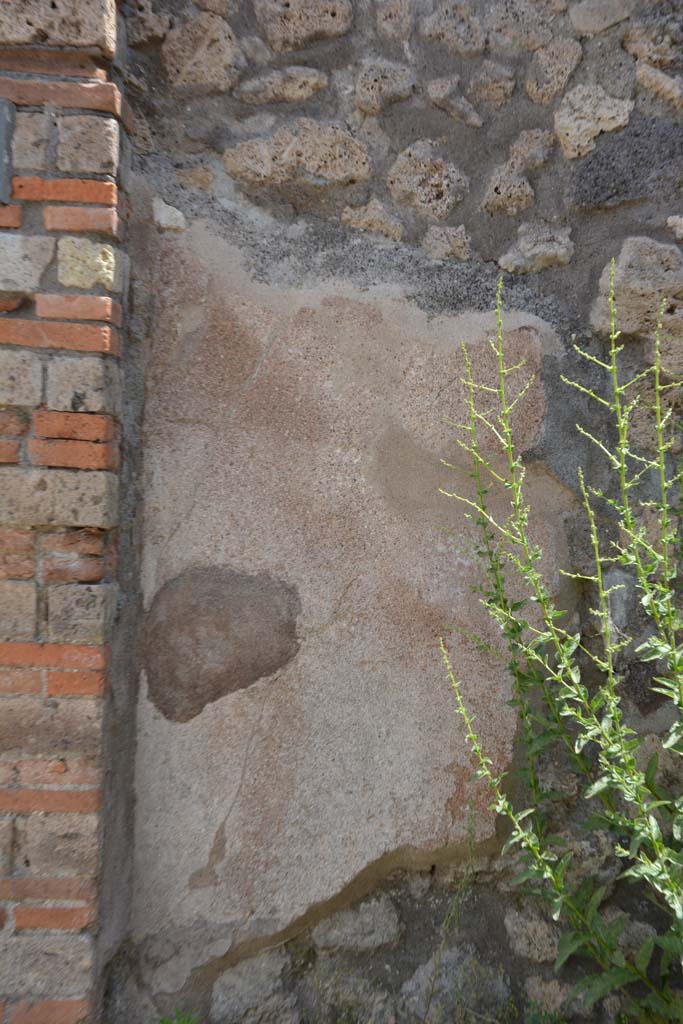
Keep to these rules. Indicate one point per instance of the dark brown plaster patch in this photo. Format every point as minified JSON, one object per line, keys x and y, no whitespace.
{"x":212,"y":631}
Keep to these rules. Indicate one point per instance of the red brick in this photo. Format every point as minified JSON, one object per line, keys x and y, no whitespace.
{"x":73,"y":454}
{"x":75,"y":684}
{"x":64,"y":190}
{"x":32,"y":655}
{"x":77,"y":337}
{"x":76,"y":426}
{"x":60,"y":771}
{"x":50,"y":62}
{"x":51,"y":801}
{"x":9,"y":305}
{"x":9,"y":452}
{"x":54,"y":1011}
{"x":16,"y":889}
{"x":102,"y":220}
{"x":73,"y":556}
{"x":79,"y":307}
{"x":13,"y":422}
{"x":103,"y":96}
{"x":10,"y":216}
{"x":20,"y":680}
{"x":51,"y":918}
{"x":16,"y":555}
{"x":3,"y":920}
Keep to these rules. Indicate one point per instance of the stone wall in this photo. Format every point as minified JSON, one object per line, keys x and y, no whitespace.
{"x":62,"y":285}
{"x":321,"y":197}
{"x":324,"y":195}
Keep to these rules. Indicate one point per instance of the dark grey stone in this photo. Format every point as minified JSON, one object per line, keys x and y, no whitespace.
{"x":6,"y":130}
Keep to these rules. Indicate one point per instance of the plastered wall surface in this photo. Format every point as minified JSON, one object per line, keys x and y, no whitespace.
{"x":324,"y":196}
{"x":224,"y":581}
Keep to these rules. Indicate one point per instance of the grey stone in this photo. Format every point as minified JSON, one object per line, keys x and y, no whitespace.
{"x":39,"y":965}
{"x":24,"y":259}
{"x":531,"y":935}
{"x":592,"y":16}
{"x":17,"y":610}
{"x":640,"y":161}
{"x":646,"y":272}
{"x":21,"y":377}
{"x":80,"y":613}
{"x":372,"y":925}
{"x":458,"y":986}
{"x":6,"y":128}
{"x":82,"y":384}
{"x":253,"y":991}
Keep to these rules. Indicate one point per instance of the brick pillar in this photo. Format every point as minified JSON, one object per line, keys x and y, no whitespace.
{"x":62,"y":275}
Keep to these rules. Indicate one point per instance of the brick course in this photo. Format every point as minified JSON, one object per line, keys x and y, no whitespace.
{"x":58,"y":500}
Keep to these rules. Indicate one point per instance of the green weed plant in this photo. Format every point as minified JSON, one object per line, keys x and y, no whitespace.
{"x":554,"y":668}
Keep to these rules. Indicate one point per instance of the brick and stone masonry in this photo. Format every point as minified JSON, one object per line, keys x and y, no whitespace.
{"x":62,"y":285}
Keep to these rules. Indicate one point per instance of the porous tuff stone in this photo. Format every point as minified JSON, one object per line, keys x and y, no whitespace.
{"x":531,"y":936}
{"x":675,"y":224}
{"x":509,"y":191}
{"x":666,"y":87}
{"x":645,"y":273}
{"x":66,"y":23}
{"x":428,"y":183}
{"x":443,"y":93}
{"x":583,"y":114}
{"x":372,"y":925}
{"x":650,"y":43}
{"x":538,"y":247}
{"x":291,"y":85}
{"x":456,"y":27}
{"x":492,"y":83}
{"x":24,"y":261}
{"x":203,"y":55}
{"x":515,"y":25}
{"x":395,"y":18}
{"x":373,"y":217}
{"x":551,"y":68}
{"x":381,"y":83}
{"x":441,"y":243}
{"x":167,"y":218}
{"x":83,"y":264}
{"x":144,"y":24}
{"x":317,"y":154}
{"x":592,"y":16}
{"x":291,"y":24}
